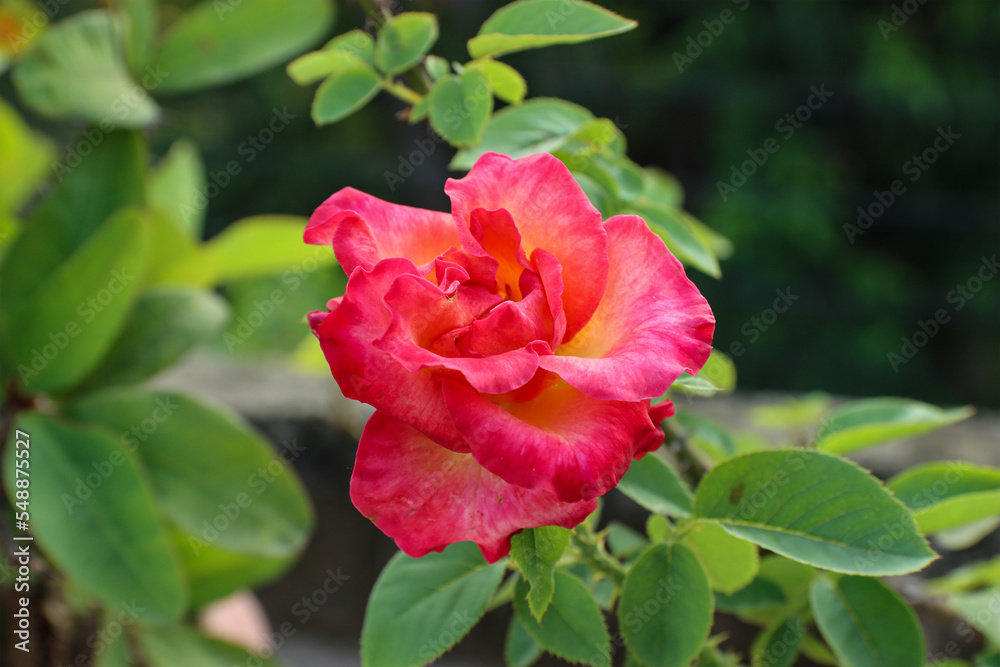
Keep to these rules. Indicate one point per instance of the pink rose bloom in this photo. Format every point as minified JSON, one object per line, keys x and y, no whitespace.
{"x":510,"y":348}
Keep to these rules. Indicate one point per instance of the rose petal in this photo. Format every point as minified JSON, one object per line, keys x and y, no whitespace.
{"x":657,"y":413}
{"x":550,"y":273}
{"x":651,"y":326}
{"x":397,"y":231}
{"x":426,"y":497}
{"x":421,"y":313}
{"x":370,"y":375}
{"x":561,"y":441}
{"x":512,"y":324}
{"x":493,"y":234}
{"x":550,"y":211}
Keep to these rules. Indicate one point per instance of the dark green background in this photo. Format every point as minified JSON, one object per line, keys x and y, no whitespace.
{"x":890,"y":96}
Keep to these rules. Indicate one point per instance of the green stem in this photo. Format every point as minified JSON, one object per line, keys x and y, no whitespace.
{"x":693,"y":468}
{"x":402,"y":92}
{"x":504,"y":594}
{"x":595,"y":556}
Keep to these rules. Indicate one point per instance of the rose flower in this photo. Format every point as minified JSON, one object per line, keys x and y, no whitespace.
{"x":510,"y":348}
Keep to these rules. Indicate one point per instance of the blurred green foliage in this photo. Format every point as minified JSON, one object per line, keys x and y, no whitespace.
{"x":856,"y":301}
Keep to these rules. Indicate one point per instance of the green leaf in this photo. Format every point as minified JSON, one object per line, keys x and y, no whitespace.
{"x":707,"y":436}
{"x":658,"y":528}
{"x":218,"y":42}
{"x":437,"y":66}
{"x":597,"y":194}
{"x":263,"y":245}
{"x":236,"y":494}
{"x":459,"y":107}
{"x":404,"y":40}
{"x":710,"y":656}
{"x":792,"y":414}
{"x":778,"y":646}
{"x":116,"y":651}
{"x":533,"y":24}
{"x":345,"y":92}
{"x":573,"y":628}
{"x":174,"y":646}
{"x":987,"y":659}
{"x":166,"y":323}
{"x":792,"y":578}
{"x":213,"y":573}
{"x":717,"y":375}
{"x":964,"y":537}
{"x":720,"y":246}
{"x":520,"y":650}
{"x":536,"y":552}
{"x":655,"y":485}
{"x":24,"y":160}
{"x":93,"y":515}
{"x":540,"y":125}
{"x":661,"y":188}
{"x":177,"y":187}
{"x":624,"y":541}
{"x":694,"y":385}
{"x":720,"y":371}
{"x":665,"y":612}
{"x":176,"y":257}
{"x":729,"y":562}
{"x":418,"y":111}
{"x":140,"y":20}
{"x":761,"y":593}
{"x":980,"y":574}
{"x":618,"y":175}
{"x":815,"y":508}
{"x":421,"y":607}
{"x":317,"y":65}
{"x":866,"y":623}
{"x":877,"y":421}
{"x":88,"y":190}
{"x":596,"y":137}
{"x":86,"y":300}
{"x":981,"y":610}
{"x":357,"y":42}
{"x":671,"y":225}
{"x":816,"y":650}
{"x":948,"y":495}
{"x":76,"y":70}
{"x":505,"y":81}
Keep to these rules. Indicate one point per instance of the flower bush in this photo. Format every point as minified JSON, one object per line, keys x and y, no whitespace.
{"x":524,"y":353}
